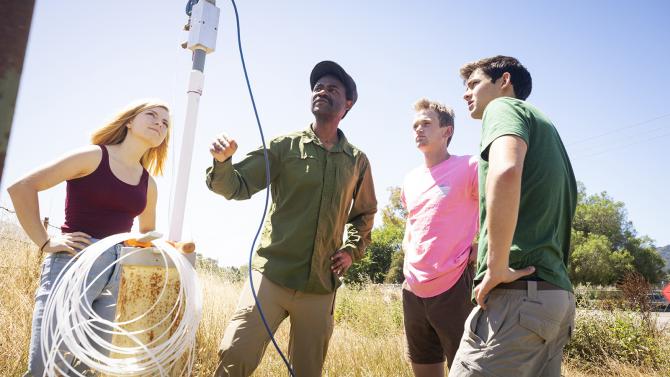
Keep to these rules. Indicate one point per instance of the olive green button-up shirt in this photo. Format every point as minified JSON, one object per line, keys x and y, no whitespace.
{"x":317,"y":194}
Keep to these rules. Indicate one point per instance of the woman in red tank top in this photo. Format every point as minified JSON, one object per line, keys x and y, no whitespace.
{"x":109,"y":183}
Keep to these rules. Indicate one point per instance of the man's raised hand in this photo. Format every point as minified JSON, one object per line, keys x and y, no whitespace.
{"x":223,"y":147}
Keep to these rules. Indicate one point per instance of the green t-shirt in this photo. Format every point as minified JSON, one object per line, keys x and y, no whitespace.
{"x":548,"y":192}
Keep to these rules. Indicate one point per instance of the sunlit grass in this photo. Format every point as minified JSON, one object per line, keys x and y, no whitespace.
{"x":368,"y":339}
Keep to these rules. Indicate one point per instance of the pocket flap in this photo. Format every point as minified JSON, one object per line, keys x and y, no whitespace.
{"x":546,"y":328}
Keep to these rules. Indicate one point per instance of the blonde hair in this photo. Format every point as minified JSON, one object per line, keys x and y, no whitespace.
{"x":115,"y":131}
{"x":444,"y":113}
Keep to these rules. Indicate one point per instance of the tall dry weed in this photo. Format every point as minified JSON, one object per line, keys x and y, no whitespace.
{"x":368,"y":339}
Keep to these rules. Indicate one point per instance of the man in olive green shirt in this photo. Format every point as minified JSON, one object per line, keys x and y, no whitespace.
{"x":321,"y":187}
{"x":527,"y":201}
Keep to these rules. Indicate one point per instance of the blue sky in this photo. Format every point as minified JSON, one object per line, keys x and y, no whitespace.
{"x":599,"y":72}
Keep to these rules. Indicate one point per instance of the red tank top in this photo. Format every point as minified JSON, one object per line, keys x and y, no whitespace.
{"x":100,"y":204}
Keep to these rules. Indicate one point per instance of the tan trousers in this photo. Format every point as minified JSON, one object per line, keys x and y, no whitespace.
{"x":246,"y":339}
{"x":521,"y":333}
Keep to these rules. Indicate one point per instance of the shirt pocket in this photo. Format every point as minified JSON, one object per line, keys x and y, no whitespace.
{"x":303,"y":167}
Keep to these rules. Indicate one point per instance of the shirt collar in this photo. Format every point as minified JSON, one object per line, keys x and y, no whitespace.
{"x":342,"y":143}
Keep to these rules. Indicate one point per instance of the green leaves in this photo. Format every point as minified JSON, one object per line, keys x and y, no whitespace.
{"x":605,"y":245}
{"x":385,"y":247}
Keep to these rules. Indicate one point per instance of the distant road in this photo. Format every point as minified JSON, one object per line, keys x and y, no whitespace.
{"x":664,"y":320}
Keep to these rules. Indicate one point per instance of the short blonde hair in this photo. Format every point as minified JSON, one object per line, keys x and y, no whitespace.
{"x":115,"y":131}
{"x":444,"y":113}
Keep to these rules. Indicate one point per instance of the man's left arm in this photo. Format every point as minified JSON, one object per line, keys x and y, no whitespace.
{"x":503,"y":193}
{"x":359,"y":223}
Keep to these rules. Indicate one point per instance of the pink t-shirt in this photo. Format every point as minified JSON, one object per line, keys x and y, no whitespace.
{"x":443,"y":217}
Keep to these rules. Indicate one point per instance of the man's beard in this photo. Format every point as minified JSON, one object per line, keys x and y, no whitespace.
{"x":325,"y":114}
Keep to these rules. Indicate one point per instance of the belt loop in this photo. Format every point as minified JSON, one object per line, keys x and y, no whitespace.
{"x":532,"y":290}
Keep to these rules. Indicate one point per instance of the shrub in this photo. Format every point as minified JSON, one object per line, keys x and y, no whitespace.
{"x":600,"y":336}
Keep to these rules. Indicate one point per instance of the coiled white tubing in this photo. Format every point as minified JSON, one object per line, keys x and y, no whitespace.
{"x":69,"y":321}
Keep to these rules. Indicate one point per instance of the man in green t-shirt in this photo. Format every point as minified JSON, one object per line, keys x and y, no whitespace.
{"x":527,"y":200}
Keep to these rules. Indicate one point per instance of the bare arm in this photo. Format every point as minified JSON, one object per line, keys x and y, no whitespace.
{"x":24,"y":197}
{"x":503,"y":193}
{"x":147,"y":218}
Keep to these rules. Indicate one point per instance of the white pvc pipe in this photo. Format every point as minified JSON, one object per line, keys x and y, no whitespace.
{"x":195,"y":86}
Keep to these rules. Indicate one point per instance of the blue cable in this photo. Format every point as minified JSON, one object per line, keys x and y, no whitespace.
{"x":267,"y":196}
{"x":189,"y":6}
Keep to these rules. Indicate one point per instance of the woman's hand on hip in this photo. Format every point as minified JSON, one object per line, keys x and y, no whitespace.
{"x":71,"y":243}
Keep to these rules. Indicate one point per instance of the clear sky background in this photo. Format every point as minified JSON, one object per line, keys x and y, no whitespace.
{"x":600,"y":72}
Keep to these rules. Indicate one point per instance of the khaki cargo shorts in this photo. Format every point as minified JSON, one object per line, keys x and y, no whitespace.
{"x":521,"y":333}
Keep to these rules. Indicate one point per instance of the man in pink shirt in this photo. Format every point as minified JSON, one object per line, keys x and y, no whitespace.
{"x":441,"y":198}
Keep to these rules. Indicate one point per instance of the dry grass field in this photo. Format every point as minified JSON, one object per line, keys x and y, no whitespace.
{"x":368,"y":337}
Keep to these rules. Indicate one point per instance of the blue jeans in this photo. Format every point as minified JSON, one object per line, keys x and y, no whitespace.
{"x":102,"y":295}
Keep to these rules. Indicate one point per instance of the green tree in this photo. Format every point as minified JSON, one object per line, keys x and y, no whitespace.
{"x":605,"y":245}
{"x":211,"y":266}
{"x":600,"y":214}
{"x":395,"y":274}
{"x":394,"y":214}
{"x":386,"y":243}
{"x":592,"y":260}
{"x":646,"y":258}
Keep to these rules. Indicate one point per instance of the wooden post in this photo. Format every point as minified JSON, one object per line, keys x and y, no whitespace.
{"x":15,"y":20}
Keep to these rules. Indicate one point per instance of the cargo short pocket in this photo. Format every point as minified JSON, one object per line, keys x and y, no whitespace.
{"x":471,"y":327}
{"x":538,"y":323}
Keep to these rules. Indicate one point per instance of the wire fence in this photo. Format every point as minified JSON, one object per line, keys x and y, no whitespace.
{"x":17,"y":251}
{"x":45,"y":221}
